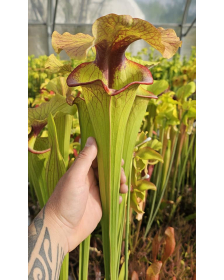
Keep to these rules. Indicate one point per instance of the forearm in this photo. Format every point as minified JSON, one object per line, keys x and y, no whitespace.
{"x":47,"y":247}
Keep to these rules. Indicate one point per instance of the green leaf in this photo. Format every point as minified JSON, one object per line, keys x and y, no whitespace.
{"x":148,"y":64}
{"x":154,"y":144}
{"x":185,"y":91}
{"x":55,"y":65}
{"x":133,"y":125}
{"x":84,"y":258}
{"x":55,"y":167}
{"x":167,"y":111}
{"x":140,"y":194}
{"x":147,"y":153}
{"x":144,"y":185}
{"x":157,"y":87}
{"x":166,"y":164}
{"x":122,"y":272}
{"x":37,"y":117}
{"x":109,"y":116}
{"x":59,"y":86}
{"x":190,"y":106}
{"x":64,"y":268}
{"x":63,"y":126}
{"x":140,"y":138}
{"x":43,"y":97}
{"x":134,"y":121}
{"x":134,"y":203}
{"x":190,"y":217}
{"x":86,"y":131}
{"x":37,"y":169}
{"x":140,"y":164}
{"x":85,"y":122}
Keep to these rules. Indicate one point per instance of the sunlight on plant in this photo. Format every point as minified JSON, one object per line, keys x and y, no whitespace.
{"x":105,"y":93}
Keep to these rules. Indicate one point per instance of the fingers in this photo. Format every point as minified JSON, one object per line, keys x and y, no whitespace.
{"x":120,"y":199}
{"x":123,"y":188}
{"x":85,"y":159}
{"x":123,"y":177}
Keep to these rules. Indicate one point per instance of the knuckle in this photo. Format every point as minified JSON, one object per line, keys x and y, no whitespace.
{"x":82,"y":155}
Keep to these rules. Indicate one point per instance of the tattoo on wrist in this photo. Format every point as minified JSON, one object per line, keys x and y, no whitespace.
{"x":60,"y":258}
{"x":40,"y":262}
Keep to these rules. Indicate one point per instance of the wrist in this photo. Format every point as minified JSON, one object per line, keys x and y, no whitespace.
{"x":56,"y":228}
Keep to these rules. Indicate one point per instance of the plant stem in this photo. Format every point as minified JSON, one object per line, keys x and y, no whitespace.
{"x":177,"y":162}
{"x":127,"y":225}
{"x":192,"y":169}
{"x":174,"y":182}
{"x":185,"y":179}
{"x":184,"y":164}
{"x":84,"y":258}
{"x":64,"y":268}
{"x":167,"y":179}
{"x":137,"y":235}
{"x":165,"y":164}
{"x":63,"y":126}
{"x":160,"y":165}
{"x":157,"y":185}
{"x":151,"y":117}
{"x":160,"y":199}
{"x":121,"y":231}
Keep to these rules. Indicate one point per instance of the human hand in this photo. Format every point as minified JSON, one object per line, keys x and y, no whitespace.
{"x":75,"y":203}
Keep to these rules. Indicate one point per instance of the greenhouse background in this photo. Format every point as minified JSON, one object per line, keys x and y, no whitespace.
{"x":77,"y":16}
{"x":152,"y":232}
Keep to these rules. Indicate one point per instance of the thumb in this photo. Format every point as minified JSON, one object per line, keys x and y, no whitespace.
{"x":84,"y":160}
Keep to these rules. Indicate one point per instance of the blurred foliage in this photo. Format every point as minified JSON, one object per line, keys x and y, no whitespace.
{"x":39,"y":75}
{"x":167,"y":138}
{"x":176,"y":71}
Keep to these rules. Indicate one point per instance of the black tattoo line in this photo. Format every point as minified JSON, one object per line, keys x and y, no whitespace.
{"x":42,"y":266}
{"x":60,"y":258}
{"x":32,"y":238}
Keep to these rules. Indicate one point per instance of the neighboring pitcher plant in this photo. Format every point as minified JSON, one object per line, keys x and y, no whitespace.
{"x":116,"y":104}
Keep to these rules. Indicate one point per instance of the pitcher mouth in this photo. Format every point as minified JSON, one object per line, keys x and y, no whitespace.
{"x":73,"y":82}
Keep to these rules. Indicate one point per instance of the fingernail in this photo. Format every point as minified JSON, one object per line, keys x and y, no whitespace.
{"x":89,"y":141}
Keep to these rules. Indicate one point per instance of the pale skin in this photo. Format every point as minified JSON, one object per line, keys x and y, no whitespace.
{"x":70,"y":215}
